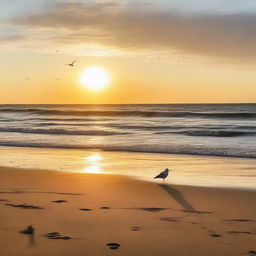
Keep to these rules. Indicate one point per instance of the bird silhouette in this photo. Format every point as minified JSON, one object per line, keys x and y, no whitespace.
{"x":71,"y":64}
{"x":163,"y":175}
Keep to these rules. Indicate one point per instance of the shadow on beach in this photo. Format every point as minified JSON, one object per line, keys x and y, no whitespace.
{"x":178,"y":197}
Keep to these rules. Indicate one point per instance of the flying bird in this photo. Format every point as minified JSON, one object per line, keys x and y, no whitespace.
{"x":163,"y":175}
{"x":71,"y":64}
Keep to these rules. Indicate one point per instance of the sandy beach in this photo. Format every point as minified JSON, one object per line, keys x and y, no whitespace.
{"x":91,"y":210}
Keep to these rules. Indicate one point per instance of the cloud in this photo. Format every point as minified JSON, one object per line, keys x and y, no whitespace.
{"x":7,"y":39}
{"x":127,"y":27}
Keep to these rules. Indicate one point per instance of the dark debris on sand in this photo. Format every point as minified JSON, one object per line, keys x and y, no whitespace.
{"x":57,"y":235}
{"x":113,"y":246}
{"x":24,"y":206}
{"x":3,"y":200}
{"x":252,"y":252}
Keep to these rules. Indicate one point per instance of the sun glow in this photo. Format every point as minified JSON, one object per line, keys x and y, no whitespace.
{"x":93,"y":163}
{"x":95,"y":78}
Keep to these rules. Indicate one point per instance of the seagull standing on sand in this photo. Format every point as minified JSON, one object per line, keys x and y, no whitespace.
{"x":163,"y":175}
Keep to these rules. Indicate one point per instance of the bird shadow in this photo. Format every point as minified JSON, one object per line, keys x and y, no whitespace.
{"x":188,"y":207}
{"x":178,"y":197}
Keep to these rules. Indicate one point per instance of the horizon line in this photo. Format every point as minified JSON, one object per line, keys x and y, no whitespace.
{"x":187,"y":103}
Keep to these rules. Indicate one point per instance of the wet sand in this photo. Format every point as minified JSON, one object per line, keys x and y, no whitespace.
{"x":99,"y":214}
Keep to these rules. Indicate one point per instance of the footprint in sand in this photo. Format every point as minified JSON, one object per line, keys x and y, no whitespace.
{"x":170,"y":219}
{"x":194,"y":211}
{"x":241,"y":232}
{"x":57,"y":235}
{"x":85,"y":209}
{"x":113,"y":246}
{"x":216,"y":235}
{"x":105,"y":208}
{"x":24,"y":206}
{"x":211,"y":232}
{"x":135,"y":229}
{"x":40,"y":192}
{"x":151,"y":209}
{"x":12,"y":192}
{"x":59,"y":201}
{"x":239,"y":220}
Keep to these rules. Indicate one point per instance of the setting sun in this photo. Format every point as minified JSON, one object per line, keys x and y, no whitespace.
{"x":95,"y":78}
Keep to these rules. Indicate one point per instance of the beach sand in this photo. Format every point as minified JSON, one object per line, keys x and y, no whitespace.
{"x":143,"y":218}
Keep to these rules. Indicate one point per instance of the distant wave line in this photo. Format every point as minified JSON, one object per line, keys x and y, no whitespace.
{"x":131,"y":113}
{"x":212,"y":133}
{"x":62,"y":131}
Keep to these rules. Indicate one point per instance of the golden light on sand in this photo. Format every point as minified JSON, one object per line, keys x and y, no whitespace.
{"x":95,"y":78}
{"x":94,"y":164}
{"x":94,"y":158}
{"x":93,"y":169}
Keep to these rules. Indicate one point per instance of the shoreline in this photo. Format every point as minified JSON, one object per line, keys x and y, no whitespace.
{"x":203,"y":171}
{"x":143,"y":218}
{"x":124,"y":151}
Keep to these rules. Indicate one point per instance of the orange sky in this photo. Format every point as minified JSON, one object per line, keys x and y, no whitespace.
{"x":153,"y":55}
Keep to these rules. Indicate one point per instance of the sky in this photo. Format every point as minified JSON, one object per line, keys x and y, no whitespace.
{"x":156,"y":51}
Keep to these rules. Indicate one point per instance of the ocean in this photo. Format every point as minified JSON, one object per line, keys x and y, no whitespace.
{"x":195,"y":129}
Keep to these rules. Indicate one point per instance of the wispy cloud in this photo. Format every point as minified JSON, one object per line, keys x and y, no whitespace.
{"x":11,"y":38}
{"x":114,"y":25}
